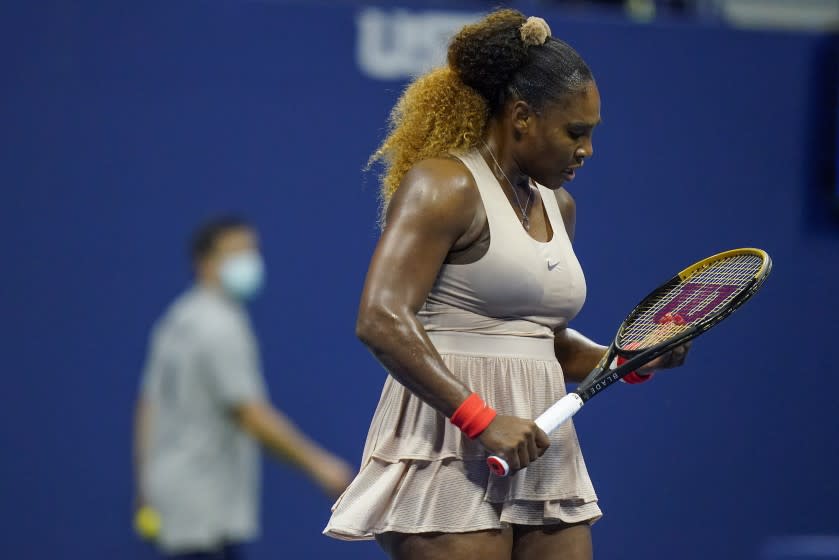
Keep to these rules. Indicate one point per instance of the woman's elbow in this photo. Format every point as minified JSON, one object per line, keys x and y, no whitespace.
{"x":374,"y":322}
{"x":367,"y":324}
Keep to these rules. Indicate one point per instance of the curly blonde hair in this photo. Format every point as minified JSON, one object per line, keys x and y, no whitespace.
{"x":437,"y":115}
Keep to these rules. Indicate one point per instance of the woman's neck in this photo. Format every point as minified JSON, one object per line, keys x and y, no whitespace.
{"x":496,"y":150}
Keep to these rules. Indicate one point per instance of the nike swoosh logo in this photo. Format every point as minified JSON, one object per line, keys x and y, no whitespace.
{"x":552,"y":266}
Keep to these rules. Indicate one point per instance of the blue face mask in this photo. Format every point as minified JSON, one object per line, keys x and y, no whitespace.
{"x":242,"y":275}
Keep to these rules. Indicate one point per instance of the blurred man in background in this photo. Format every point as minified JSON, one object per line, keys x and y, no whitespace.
{"x":203,"y":408}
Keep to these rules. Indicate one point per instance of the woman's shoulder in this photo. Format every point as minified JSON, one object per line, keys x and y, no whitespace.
{"x":568,"y":210}
{"x":436,"y":191}
{"x":565,"y":201}
{"x":441,"y":180}
{"x":450,"y":171}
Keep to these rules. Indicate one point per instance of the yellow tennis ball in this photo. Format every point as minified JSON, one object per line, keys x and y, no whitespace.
{"x":147,"y":523}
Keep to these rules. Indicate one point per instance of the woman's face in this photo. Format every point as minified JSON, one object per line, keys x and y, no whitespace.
{"x":559,"y":138}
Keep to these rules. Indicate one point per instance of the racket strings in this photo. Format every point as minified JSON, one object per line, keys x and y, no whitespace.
{"x":704,"y":293}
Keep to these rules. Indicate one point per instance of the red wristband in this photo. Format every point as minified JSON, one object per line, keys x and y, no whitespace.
{"x":633,"y":377}
{"x":473,"y":416}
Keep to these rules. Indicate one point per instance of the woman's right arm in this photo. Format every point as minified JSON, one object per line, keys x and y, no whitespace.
{"x":434,"y":211}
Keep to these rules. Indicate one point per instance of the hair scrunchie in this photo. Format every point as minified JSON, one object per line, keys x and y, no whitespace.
{"x":535,"y":31}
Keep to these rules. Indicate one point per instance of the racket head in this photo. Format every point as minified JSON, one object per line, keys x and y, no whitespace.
{"x":697,"y":298}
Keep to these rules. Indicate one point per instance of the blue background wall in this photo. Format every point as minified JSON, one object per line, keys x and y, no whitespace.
{"x":123,"y":125}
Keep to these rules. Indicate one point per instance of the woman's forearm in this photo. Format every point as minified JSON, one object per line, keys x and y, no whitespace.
{"x":577,"y":354}
{"x":399,"y":342}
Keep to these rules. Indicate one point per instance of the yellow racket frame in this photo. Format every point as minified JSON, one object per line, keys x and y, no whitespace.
{"x":692,"y":269}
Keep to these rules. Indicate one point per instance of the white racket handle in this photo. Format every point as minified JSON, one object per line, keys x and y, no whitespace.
{"x":548,"y":421}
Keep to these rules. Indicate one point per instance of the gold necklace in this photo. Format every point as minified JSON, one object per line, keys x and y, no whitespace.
{"x":525,"y":220}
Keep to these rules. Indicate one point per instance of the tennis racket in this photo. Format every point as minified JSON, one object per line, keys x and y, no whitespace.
{"x":679,"y":310}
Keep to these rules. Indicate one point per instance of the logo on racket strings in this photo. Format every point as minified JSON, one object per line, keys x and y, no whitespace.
{"x":694,"y":301}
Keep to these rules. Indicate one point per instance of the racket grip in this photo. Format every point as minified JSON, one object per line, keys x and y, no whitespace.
{"x":559,"y":412}
{"x":498,"y":466}
{"x":548,"y":421}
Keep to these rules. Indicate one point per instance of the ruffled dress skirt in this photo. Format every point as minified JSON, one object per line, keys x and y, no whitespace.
{"x":421,"y":474}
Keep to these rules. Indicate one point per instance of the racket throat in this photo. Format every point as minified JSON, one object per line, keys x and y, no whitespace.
{"x":600,"y":384}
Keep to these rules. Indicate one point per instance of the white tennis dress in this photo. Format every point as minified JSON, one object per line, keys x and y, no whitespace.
{"x":492,"y":322}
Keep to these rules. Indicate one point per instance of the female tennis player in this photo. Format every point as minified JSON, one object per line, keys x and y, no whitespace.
{"x":467,"y":302}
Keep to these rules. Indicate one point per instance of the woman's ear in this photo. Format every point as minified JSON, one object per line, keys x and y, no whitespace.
{"x":522,"y":118}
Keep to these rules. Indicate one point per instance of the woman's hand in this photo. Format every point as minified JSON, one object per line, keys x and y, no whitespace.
{"x":518,"y":441}
{"x":672,"y":359}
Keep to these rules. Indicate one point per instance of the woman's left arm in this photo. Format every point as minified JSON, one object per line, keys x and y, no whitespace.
{"x":576,"y":354}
